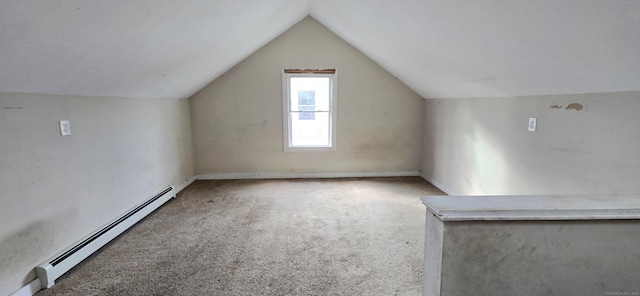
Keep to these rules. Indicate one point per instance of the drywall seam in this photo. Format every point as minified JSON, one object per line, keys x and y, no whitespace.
{"x":229,"y":176}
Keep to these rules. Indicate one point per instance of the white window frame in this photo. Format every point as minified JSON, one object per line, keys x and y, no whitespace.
{"x":286,"y":99}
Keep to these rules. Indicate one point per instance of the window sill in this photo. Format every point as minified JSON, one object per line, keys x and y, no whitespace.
{"x":309,"y":149}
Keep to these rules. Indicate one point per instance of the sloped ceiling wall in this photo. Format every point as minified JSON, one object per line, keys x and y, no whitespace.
{"x":439,"y":48}
{"x":142,"y":48}
{"x":495,"y":48}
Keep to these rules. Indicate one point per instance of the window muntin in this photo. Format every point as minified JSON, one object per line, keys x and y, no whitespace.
{"x":309,"y":111}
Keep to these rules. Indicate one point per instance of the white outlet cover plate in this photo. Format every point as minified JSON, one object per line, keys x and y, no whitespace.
{"x":65,"y":128}
{"x":533,"y":124}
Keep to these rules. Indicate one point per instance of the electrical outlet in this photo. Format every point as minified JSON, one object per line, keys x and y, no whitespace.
{"x":65,"y":128}
{"x":533,"y":123}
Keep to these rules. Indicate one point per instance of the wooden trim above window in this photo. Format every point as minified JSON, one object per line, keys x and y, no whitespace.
{"x":310,"y":71}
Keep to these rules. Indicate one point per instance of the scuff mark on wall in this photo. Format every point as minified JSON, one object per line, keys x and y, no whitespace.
{"x":574,"y":106}
{"x":20,"y":246}
{"x":555,"y":106}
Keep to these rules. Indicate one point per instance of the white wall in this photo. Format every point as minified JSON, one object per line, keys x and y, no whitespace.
{"x":482,"y":146}
{"x":237,"y":119}
{"x":56,"y":189}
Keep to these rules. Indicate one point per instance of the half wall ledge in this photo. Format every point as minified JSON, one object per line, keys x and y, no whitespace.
{"x":532,"y":245}
{"x":534,"y":207}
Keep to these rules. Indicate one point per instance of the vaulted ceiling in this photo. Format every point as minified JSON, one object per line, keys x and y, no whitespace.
{"x":439,"y":48}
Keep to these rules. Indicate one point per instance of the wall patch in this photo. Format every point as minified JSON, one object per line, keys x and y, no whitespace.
{"x":574,"y":106}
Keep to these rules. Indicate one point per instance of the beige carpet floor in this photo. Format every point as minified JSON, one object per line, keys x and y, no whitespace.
{"x":268,"y":237}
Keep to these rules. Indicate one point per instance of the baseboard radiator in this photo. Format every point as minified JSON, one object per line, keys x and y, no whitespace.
{"x":59,"y":264}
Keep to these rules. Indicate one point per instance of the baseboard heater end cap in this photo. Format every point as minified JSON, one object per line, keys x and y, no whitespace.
{"x":43,"y":271}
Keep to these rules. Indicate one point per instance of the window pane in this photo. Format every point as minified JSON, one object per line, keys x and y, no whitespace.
{"x":310,"y":131}
{"x":310,"y":91}
{"x":306,"y":102}
{"x":306,"y":97}
{"x":307,"y":115}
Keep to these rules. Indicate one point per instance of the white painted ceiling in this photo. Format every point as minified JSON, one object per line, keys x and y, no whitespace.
{"x":439,"y":48}
{"x":132,"y":48}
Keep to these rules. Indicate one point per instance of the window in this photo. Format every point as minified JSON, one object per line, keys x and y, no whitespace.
{"x":309,"y":104}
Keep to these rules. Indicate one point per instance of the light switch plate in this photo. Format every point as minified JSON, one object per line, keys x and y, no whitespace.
{"x":65,"y":128}
{"x":533,"y":123}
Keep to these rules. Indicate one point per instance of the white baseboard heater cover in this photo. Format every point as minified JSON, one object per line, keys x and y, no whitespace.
{"x":62,"y":262}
